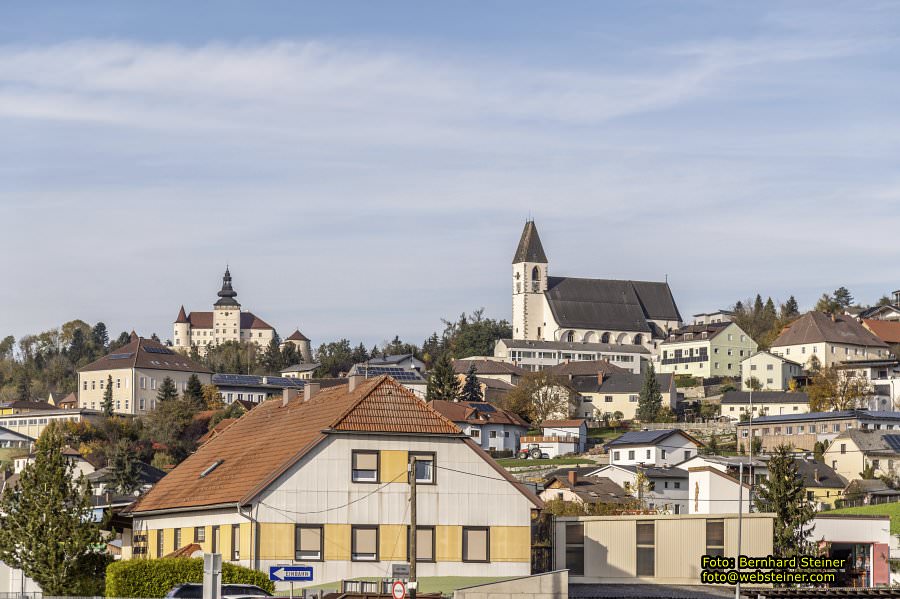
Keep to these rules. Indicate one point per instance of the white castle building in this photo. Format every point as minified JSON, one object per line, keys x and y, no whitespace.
{"x":576,"y":310}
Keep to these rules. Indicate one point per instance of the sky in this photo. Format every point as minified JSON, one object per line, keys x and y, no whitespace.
{"x":365,"y":168}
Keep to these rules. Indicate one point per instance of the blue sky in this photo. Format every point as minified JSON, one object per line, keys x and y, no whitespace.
{"x":366,"y":168}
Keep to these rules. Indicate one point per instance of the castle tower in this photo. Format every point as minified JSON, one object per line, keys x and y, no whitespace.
{"x":182,"y":336}
{"x":529,"y":282}
{"x":226,"y":313}
{"x":301,"y":342}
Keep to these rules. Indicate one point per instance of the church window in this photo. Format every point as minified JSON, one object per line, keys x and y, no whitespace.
{"x":604,"y":338}
{"x":570,"y":336}
{"x":638,"y":339}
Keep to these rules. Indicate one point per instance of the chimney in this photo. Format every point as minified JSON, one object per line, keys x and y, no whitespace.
{"x":265,"y":380}
{"x":287,"y":395}
{"x":355,"y":380}
{"x":573,"y":477}
{"x":833,"y":317}
{"x":599,"y":377}
{"x":310,"y":389}
{"x":816,"y":474}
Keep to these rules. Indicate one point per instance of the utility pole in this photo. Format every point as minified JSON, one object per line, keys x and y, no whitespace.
{"x":412,"y":528}
{"x":737,"y":588}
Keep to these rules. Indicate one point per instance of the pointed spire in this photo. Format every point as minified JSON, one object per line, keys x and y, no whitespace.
{"x":530,"y":248}
{"x":134,"y":336}
{"x":227,"y":293}
{"x":182,"y":316}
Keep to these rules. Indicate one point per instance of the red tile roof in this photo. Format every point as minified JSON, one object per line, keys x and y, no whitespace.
{"x":249,"y":320}
{"x":473,"y":413}
{"x":145,"y":353}
{"x":265,"y":442}
{"x":886,"y":330}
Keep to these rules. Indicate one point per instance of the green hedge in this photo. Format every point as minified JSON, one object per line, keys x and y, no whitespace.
{"x":156,"y":577}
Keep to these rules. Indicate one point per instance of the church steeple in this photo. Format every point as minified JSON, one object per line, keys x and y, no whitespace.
{"x":227,"y":293}
{"x":530,"y":248}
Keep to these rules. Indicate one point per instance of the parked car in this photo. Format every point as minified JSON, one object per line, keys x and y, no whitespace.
{"x":193,"y":590}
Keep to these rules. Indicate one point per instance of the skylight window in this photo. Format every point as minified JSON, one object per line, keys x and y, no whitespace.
{"x":211,"y":467}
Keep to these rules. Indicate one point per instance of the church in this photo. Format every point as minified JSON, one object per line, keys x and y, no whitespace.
{"x":578,"y":310}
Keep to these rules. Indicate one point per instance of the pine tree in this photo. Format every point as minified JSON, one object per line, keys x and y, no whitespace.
{"x":650,"y":399}
{"x":167,"y":391}
{"x":123,"y":465}
{"x":790,"y":308}
{"x":100,"y":337}
{"x":784,"y":495}
{"x":290,"y":356}
{"x":843,"y":297}
{"x":471,"y":390}
{"x":194,"y":392}
{"x":442,"y":381}
{"x":108,"y":397}
{"x":271,"y":358}
{"x":46,"y":529}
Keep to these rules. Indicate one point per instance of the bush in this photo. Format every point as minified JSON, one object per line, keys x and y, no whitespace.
{"x":156,"y":577}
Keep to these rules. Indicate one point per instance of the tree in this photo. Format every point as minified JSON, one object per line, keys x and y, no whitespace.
{"x":212,"y":399}
{"x":124,"y":468}
{"x":827,"y":304}
{"x":842,"y":297}
{"x":193,"y":392}
{"x":334,"y":358}
{"x":170,"y":425}
{"x":790,"y":309}
{"x":290,"y":355}
{"x":650,"y":398}
{"x":107,"y":404}
{"x":46,"y":529}
{"x":753,"y":383}
{"x":469,"y":335}
{"x":539,"y":396}
{"x":868,"y":472}
{"x":271,"y":358}
{"x":167,"y":391}
{"x":713,"y":446}
{"x":471,"y":390}
{"x":442,"y":381}
{"x":836,"y":389}
{"x":882,"y":301}
{"x":819,"y":450}
{"x":784,"y":495}
{"x":100,"y":337}
{"x":756,"y":445}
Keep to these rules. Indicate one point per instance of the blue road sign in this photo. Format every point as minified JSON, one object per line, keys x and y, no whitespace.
{"x":291,"y":573}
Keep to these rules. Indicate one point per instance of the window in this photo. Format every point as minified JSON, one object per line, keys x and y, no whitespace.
{"x":215,"y":539}
{"x":365,"y":467}
{"x":476,"y":544}
{"x":141,"y":404}
{"x":85,"y":385}
{"x":876,"y":464}
{"x":632,"y":398}
{"x":843,"y":448}
{"x":159,"y":543}
{"x":836,"y":428}
{"x":687,"y":453}
{"x":648,"y":454}
{"x":666,"y":485}
{"x":608,"y":398}
{"x":308,"y":540}
{"x":177,"y":538}
{"x":676,"y":484}
{"x":770,"y":367}
{"x":646,"y":550}
{"x":364,"y":543}
{"x":93,"y":385}
{"x":630,"y":454}
{"x":493,"y":434}
{"x":663,"y":453}
{"x":715,"y":538}
{"x":575,"y":548}
{"x":235,"y":542}
{"x":615,"y":455}
{"x":424,"y":468}
{"x":424,"y":543}
{"x":199,"y":534}
{"x":475,"y":433}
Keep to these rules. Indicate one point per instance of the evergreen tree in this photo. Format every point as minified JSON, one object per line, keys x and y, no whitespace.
{"x":790,"y":308}
{"x":442,"y":381}
{"x":193,"y":392}
{"x":167,"y":391}
{"x":471,"y":390}
{"x":650,"y":399}
{"x":107,"y":404}
{"x":46,"y":529}
{"x":100,"y":337}
{"x":77,"y":348}
{"x":172,"y":425}
{"x":290,"y":355}
{"x":360,"y":354}
{"x":123,"y":464}
{"x":842,"y":297}
{"x":23,"y":386}
{"x":758,"y":305}
{"x":784,"y":495}
{"x":271,"y":358}
{"x":122,"y":340}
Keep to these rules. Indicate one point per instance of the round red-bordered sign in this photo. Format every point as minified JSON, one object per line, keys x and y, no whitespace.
{"x":398,"y":590}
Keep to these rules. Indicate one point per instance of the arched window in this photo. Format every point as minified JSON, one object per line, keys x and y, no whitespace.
{"x":535,"y":279}
{"x":570,"y":337}
{"x":638,"y":339}
{"x":604,"y":338}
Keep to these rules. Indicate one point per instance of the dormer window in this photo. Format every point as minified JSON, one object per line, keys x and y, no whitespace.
{"x":688,"y":336}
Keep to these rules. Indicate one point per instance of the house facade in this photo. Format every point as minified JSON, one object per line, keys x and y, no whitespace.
{"x":333,"y":493}
{"x":666,"y":489}
{"x":491,"y":427}
{"x":854,"y":450}
{"x":534,"y":355}
{"x":829,"y":338}
{"x":579,"y":310}
{"x":802,"y":431}
{"x":770,"y":371}
{"x":137,"y":370}
{"x":736,"y":404}
{"x":226,"y":322}
{"x":666,"y":447}
{"x":618,"y":392}
{"x":706,"y":350}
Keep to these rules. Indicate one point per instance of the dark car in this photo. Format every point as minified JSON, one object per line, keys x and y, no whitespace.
{"x":193,"y":590}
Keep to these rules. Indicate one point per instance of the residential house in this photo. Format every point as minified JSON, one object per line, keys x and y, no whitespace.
{"x":13,"y":444}
{"x":402,"y":361}
{"x":713,"y":350}
{"x":256,"y":389}
{"x":577,"y":310}
{"x":300,"y":371}
{"x":770,"y":371}
{"x":653,"y":549}
{"x":712,"y":491}
{"x":537,"y":355}
{"x":830,"y":338}
{"x":666,"y":489}
{"x":137,"y":370}
{"x":489,"y":426}
{"x":226,"y":322}
{"x":886,"y":330}
{"x":490,"y":369}
{"x":887,"y":312}
{"x":714,"y":317}
{"x":20,"y":406}
{"x":765,"y":403}
{"x":333,"y":492}
{"x":666,"y":447}
{"x":755,"y":471}
{"x":855,"y":449}
{"x":406,"y":369}
{"x":823,"y":485}
{"x":104,"y":479}
{"x":575,"y":428}
{"x":802,"y":431}
{"x":869,"y":491}
{"x":81,"y":465}
{"x":883,"y":377}
{"x":617,"y":392}
{"x":585,"y":490}
{"x":864,"y":541}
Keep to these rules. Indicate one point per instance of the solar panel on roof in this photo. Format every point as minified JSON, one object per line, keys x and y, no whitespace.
{"x":119,"y":356}
{"x":483,"y":407}
{"x":893,"y":441}
{"x":158,"y":350}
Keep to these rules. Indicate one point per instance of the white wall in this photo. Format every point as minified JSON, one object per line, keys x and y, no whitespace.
{"x":712,"y":493}
{"x":670,"y":451}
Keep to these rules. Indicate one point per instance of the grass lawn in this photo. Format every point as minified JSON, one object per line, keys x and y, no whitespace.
{"x":884,"y":509}
{"x":515,"y":462}
{"x":432,"y":584}
{"x":606,"y":433}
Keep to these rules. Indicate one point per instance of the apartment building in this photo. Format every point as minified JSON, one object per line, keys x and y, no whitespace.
{"x":802,"y":431}
{"x":537,"y":355}
{"x":830,"y":338}
{"x":737,"y":404}
{"x":706,"y":350}
{"x":322,"y":479}
{"x":769,"y":371}
{"x":137,"y":370}
{"x":618,"y":392}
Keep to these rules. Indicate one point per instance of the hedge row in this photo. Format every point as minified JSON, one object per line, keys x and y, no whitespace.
{"x":156,"y":577}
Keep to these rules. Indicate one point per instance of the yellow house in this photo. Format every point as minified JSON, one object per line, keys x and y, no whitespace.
{"x":823,"y":485}
{"x":322,"y":479}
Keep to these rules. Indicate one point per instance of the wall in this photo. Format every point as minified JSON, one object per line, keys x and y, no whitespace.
{"x":670,"y":451}
{"x":710,"y":492}
{"x":33,"y":424}
{"x":734,"y":411}
{"x":92,"y":397}
{"x":550,"y":585}
{"x":661,"y":497}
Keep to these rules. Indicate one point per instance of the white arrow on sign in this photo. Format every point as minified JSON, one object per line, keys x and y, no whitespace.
{"x":279,"y":573}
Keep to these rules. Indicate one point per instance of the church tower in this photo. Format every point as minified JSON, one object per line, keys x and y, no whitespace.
{"x":529,"y":282}
{"x":227,"y":313}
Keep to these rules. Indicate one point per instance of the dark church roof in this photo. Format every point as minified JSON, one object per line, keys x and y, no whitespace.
{"x":610,"y":304}
{"x":530,"y":248}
